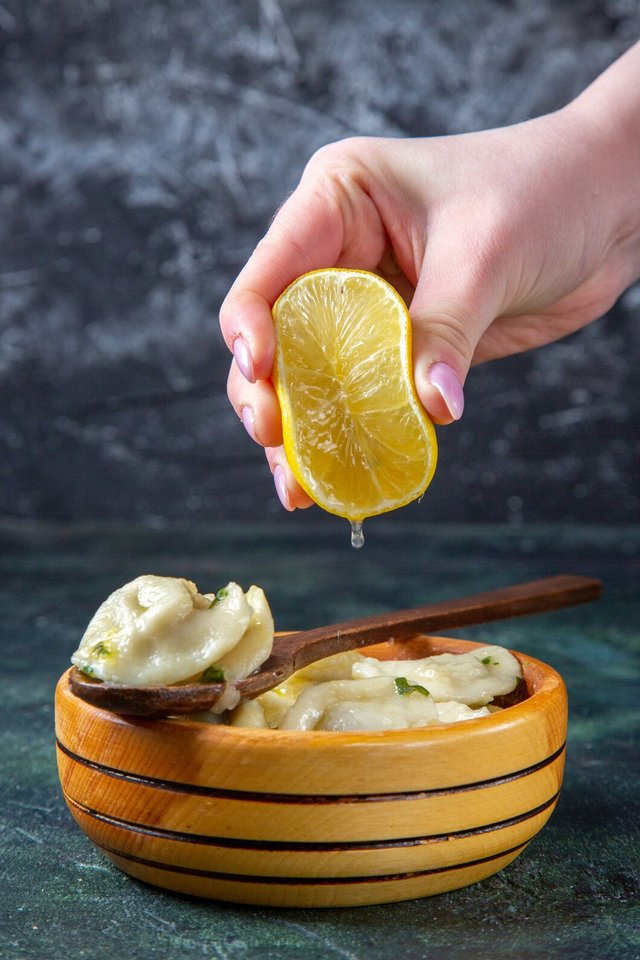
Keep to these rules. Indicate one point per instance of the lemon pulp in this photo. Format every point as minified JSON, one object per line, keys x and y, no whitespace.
{"x":355,"y":434}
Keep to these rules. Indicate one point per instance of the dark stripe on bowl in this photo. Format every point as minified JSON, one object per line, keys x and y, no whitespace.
{"x":300,"y":798}
{"x":257,"y":879}
{"x":303,"y":846}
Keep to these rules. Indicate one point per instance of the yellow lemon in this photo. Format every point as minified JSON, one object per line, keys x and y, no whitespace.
{"x":355,"y":434}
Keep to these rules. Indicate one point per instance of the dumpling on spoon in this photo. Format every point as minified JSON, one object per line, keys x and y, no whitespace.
{"x":161,"y":630}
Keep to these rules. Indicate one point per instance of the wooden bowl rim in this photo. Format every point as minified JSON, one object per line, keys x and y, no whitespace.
{"x":545,"y":687}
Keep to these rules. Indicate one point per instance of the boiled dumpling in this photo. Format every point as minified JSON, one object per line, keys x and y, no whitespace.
{"x":474,"y":678}
{"x":161,"y":630}
{"x":256,"y":642}
{"x":349,"y":691}
{"x":373,"y":704}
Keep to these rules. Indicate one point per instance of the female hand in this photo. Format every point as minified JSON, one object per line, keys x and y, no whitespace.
{"x":500,"y":241}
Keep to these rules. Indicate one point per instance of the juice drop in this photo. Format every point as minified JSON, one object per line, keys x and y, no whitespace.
{"x":357,"y":536}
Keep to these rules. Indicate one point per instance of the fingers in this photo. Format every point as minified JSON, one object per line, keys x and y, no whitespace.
{"x":306,"y":234}
{"x":257,"y":406}
{"x":290,"y":493}
{"x":455,"y":302}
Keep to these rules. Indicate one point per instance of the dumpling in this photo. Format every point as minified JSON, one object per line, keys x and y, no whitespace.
{"x":474,"y":678}
{"x":349,"y":691}
{"x":161,"y":630}
{"x":373,"y":704}
{"x":256,"y":642}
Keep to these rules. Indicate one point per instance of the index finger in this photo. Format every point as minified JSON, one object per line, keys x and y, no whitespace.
{"x":306,"y":234}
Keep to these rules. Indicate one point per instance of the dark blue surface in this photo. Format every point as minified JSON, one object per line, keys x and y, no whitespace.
{"x":573,"y":894}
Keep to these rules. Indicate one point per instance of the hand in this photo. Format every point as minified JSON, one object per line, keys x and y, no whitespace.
{"x":500,"y":241}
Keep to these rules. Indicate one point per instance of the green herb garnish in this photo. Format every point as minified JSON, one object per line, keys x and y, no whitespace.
{"x":220,"y":595}
{"x":87,"y":670}
{"x":489,"y":660}
{"x":403,"y":687}
{"x":100,"y":649}
{"x":212,"y":674}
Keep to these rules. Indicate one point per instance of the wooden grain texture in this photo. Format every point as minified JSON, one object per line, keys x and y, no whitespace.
{"x":290,"y":818}
{"x":293,"y":651}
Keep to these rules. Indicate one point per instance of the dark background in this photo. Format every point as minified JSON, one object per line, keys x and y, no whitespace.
{"x":144,"y":147}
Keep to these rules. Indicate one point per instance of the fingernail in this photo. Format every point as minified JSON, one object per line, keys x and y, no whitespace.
{"x":280,"y":480}
{"x":243,"y":358}
{"x":444,"y":379}
{"x":248,"y":422}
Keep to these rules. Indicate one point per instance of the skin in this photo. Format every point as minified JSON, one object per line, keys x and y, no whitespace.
{"x":500,"y":241}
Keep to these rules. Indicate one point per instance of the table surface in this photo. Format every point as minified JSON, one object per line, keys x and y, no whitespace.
{"x":572,"y":893}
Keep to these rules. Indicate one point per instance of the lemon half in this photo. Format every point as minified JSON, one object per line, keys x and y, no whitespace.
{"x":355,"y":434}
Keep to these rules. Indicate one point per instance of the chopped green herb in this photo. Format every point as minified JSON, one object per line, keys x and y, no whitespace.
{"x":100,"y":649}
{"x":223,"y":592}
{"x":489,"y":660}
{"x":212,"y":674}
{"x":87,"y":670}
{"x":403,"y":687}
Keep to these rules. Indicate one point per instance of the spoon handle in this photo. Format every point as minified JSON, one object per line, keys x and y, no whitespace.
{"x":297,"y":650}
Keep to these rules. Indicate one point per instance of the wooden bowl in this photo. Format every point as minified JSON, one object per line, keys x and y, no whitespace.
{"x":316,"y":819}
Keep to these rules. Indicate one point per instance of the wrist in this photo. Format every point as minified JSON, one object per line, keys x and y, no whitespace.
{"x":606,"y":121}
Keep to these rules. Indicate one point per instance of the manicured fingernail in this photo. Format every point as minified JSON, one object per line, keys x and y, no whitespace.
{"x":444,"y":379}
{"x":248,"y":421}
{"x":243,"y":358}
{"x":280,"y":480}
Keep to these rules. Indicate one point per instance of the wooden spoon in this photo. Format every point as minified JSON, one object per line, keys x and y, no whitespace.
{"x":293,"y":651}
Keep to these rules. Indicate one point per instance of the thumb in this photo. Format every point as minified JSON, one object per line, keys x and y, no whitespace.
{"x":447,"y":325}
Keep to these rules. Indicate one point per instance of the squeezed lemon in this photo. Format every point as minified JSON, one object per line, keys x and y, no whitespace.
{"x":355,"y":433}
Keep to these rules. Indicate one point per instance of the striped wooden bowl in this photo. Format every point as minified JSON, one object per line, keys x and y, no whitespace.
{"x":316,"y":819}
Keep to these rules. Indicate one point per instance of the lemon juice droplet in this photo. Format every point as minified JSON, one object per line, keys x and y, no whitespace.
{"x":357,"y":536}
